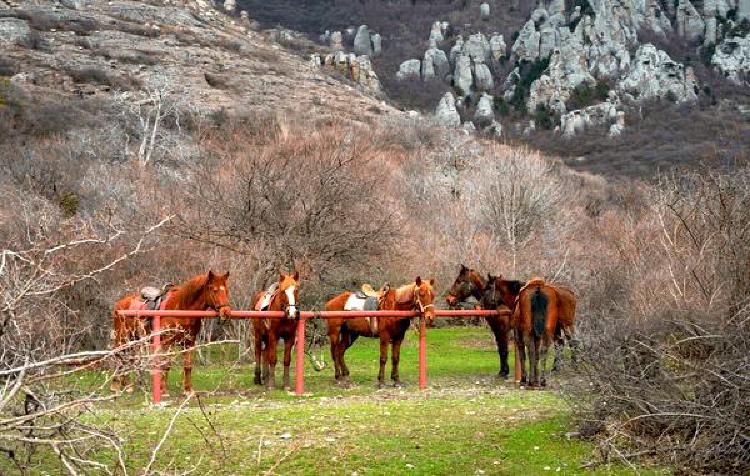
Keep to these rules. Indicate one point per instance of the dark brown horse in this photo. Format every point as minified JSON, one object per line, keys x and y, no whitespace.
{"x":535,"y":319}
{"x":268,"y":331}
{"x":203,"y":292}
{"x":494,"y":293}
{"x":416,"y":296}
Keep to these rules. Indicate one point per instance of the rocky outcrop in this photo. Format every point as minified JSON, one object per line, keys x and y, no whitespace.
{"x":357,"y":68}
{"x":462,"y":76}
{"x":337,"y":40}
{"x":653,"y":74}
{"x":437,"y":32}
{"x":484,"y":11}
{"x":690,"y":24}
{"x":484,"y":112}
{"x":477,"y":48}
{"x":409,"y":69}
{"x":483,"y":77}
{"x":14,"y":31}
{"x":435,"y":64}
{"x":362,"y":41}
{"x":230,"y":6}
{"x":526,"y":46}
{"x":732,"y":58}
{"x":497,"y":47}
{"x":377,"y":44}
{"x":599,"y":115}
{"x":446,"y":113}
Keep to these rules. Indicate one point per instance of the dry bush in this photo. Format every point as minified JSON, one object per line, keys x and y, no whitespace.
{"x":666,"y":361}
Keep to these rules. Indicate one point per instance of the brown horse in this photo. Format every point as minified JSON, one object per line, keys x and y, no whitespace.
{"x":495,"y":293}
{"x":566,"y":303}
{"x":416,"y":296}
{"x":268,"y":331}
{"x":202,"y":292}
{"x":535,"y":319}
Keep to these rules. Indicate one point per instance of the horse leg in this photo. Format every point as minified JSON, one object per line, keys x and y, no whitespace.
{"x":521,"y":355}
{"x":500,"y":330}
{"x":287,"y":360}
{"x":271,"y":361}
{"x":347,"y":340}
{"x":545,"y":342}
{"x":533,"y":361}
{"x":395,"y":357}
{"x":258,"y":340}
{"x":383,"y":359}
{"x":333,"y":338}
{"x":187,"y":368}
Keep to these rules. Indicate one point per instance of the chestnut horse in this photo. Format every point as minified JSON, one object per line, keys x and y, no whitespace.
{"x":495,"y":294}
{"x":535,"y":318}
{"x":416,"y":296}
{"x":202,"y":292}
{"x":267,"y":332}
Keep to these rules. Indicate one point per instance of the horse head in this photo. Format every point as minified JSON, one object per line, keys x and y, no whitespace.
{"x":289,"y":294}
{"x":424,"y":297}
{"x":216,"y":292}
{"x":468,"y":283}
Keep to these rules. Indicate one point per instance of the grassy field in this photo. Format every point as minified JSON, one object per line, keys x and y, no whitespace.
{"x":467,"y":422}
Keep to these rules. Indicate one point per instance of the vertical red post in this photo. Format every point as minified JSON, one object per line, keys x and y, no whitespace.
{"x":156,"y":369}
{"x":422,"y":353}
{"x":299,"y":369}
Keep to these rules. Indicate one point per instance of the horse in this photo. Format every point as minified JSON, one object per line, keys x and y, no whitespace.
{"x":200,"y":293}
{"x":416,"y":296}
{"x":494,"y":293}
{"x":535,"y":318}
{"x":267,"y":332}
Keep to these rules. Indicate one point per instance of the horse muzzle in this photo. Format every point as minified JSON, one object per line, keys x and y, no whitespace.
{"x":292,"y":312}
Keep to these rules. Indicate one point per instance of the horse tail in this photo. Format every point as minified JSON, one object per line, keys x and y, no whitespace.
{"x":539,"y":311}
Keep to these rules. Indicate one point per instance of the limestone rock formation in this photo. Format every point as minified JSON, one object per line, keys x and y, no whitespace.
{"x":497,"y":47}
{"x":409,"y":69}
{"x":597,"y":115}
{"x":526,"y":47}
{"x":362,"y":41}
{"x":483,"y":77}
{"x":446,"y":113}
{"x":477,"y":48}
{"x":654,"y":75}
{"x":437,"y":32}
{"x":229,"y":6}
{"x":435,"y":64}
{"x":14,"y":31}
{"x":484,"y":110}
{"x":377,"y":44}
{"x":689,"y":21}
{"x":732,"y":57}
{"x":484,"y":11}
{"x":462,"y":76}
{"x":337,"y":40}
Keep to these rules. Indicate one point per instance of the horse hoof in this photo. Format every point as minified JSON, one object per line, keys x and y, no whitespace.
{"x":398,"y":385}
{"x":380,"y":385}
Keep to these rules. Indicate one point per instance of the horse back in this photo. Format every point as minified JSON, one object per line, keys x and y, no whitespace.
{"x":537,"y":310}
{"x":566,"y":306}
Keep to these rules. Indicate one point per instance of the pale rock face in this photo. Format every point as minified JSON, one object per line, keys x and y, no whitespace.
{"x":229,"y":6}
{"x":654,"y":74}
{"x":483,"y":77}
{"x":526,"y":46}
{"x":484,"y":108}
{"x":377,"y":44}
{"x":469,"y":126}
{"x":462,"y":77}
{"x":435,"y":64}
{"x":549,"y":39}
{"x":556,"y":7}
{"x":456,"y":49}
{"x":366,"y":76}
{"x":655,"y":19}
{"x":362,"y":41}
{"x":436,"y":32}
{"x":689,"y":22}
{"x":76,"y":4}
{"x":14,"y":30}
{"x":495,"y":128}
{"x":477,"y":48}
{"x":484,"y":11}
{"x":710,"y":34}
{"x":743,"y":9}
{"x":336,"y":40}
{"x":509,"y":87}
{"x":446,"y":113}
{"x":732,"y":57}
{"x":497,"y":47}
{"x":596,"y":115}
{"x":409,"y":69}
{"x":615,"y":130}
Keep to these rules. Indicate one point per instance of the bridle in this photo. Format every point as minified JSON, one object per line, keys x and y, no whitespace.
{"x":422,"y":308}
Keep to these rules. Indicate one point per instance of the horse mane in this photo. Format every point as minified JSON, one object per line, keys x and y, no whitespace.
{"x":187,"y":293}
{"x":405,"y":293}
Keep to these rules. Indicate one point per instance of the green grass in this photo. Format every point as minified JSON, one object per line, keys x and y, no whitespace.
{"x":467,"y":422}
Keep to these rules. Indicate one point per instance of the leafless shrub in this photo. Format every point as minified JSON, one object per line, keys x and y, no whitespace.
{"x":667,"y":367}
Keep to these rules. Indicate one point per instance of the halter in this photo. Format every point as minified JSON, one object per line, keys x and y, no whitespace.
{"x":422,"y":307}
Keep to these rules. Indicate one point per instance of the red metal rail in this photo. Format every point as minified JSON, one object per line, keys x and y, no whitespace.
{"x":300,"y":337}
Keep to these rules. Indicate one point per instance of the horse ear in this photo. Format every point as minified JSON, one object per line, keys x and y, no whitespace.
{"x":296,"y":275}
{"x":210,"y":275}
{"x":226,"y":275}
{"x":463,"y":268}
{"x":515,"y":286}
{"x":432,"y":281}
{"x":418,"y":281}
{"x":489,"y":277}
{"x":281,"y":277}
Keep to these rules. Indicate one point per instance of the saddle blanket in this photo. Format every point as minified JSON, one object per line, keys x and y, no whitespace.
{"x":264,"y":301}
{"x":356,"y":302}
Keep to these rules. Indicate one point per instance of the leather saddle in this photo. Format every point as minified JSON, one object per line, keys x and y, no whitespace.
{"x":153,"y":297}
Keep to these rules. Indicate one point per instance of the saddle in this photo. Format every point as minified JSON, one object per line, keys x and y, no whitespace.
{"x":265,"y":300}
{"x":367,"y":299}
{"x":152,"y":297}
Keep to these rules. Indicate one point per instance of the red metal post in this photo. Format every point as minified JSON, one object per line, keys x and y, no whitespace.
{"x":156,"y":369}
{"x":422,"y":353}
{"x":299,"y":371}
